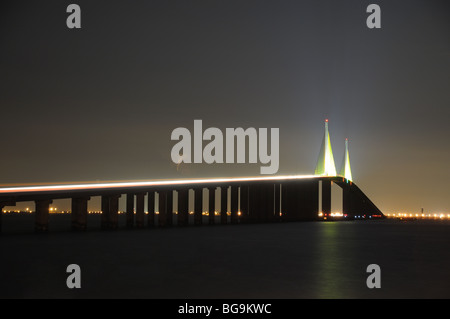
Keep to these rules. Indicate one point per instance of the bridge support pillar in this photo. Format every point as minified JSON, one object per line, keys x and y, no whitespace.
{"x":277,"y":199}
{"x":311,"y":191}
{"x":198,"y":206}
{"x":140,"y":215}
{"x":162,"y":208}
{"x":326,"y":197}
{"x":223,"y":204}
{"x":244,"y":203}
{"x":261,"y":202}
{"x":79,"y":213}
{"x":254,"y":203}
{"x":183,"y":207}
{"x":234,"y":204}
{"x":114,"y":211}
{"x":42,"y":212}
{"x":110,"y":211}
{"x":2,"y":205}
{"x":169,"y":210}
{"x":270,"y":193}
{"x":347,"y":202}
{"x":130,"y":210}
{"x":211,"y":205}
{"x":300,"y":200}
{"x":262,"y":205}
{"x":1,"y":216}
{"x":151,"y":209}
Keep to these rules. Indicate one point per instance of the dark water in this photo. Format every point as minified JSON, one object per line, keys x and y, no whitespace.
{"x":288,"y":260}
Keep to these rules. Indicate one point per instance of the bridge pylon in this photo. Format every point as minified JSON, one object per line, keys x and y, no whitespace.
{"x":345,"y":168}
{"x":325,"y":163}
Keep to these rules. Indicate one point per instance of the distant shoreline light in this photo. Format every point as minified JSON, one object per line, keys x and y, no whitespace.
{"x":418,"y":215}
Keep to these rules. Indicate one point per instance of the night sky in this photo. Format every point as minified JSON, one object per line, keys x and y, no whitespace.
{"x":100,"y":102}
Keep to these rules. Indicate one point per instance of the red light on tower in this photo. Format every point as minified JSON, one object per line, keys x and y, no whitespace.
{"x":326,"y":120}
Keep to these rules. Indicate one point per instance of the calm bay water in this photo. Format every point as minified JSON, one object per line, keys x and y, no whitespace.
{"x":285,"y":260}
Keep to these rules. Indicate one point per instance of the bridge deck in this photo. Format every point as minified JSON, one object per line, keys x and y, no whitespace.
{"x":246,"y":199}
{"x":26,"y":192}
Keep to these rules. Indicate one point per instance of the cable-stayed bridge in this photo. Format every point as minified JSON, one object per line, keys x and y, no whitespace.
{"x":235,"y":200}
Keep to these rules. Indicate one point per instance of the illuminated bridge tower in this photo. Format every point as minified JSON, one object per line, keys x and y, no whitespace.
{"x":326,"y":167}
{"x":325,"y":163}
{"x":346,"y":185}
{"x":345,"y":168}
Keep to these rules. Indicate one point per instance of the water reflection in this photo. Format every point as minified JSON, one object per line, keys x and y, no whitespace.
{"x":329,"y":262}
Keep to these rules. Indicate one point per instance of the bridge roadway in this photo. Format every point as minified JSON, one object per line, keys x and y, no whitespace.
{"x":252,"y":199}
